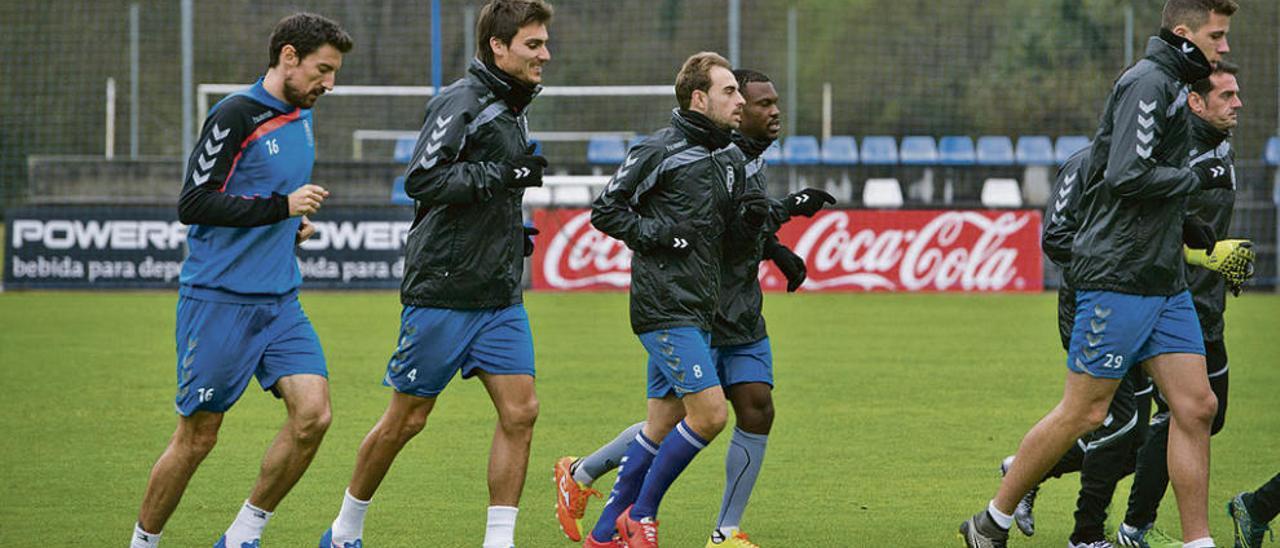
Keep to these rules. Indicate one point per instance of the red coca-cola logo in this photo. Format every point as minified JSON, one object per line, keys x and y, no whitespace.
{"x":844,"y":251}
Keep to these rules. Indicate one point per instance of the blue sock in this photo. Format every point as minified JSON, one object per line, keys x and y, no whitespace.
{"x":591,"y":467}
{"x":676,"y":452}
{"x":631,"y":474}
{"x":741,"y":467}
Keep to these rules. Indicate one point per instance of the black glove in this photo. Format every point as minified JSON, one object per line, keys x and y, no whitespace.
{"x":678,"y":238}
{"x":1214,"y":173}
{"x":1197,"y":234}
{"x":753,"y":207}
{"x":525,"y":171}
{"x":529,"y":233}
{"x":807,"y":202}
{"x":791,"y":265}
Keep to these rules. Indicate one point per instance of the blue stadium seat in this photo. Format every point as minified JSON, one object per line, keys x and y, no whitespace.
{"x":801,"y":150}
{"x":1272,"y":153}
{"x":879,"y":150}
{"x":606,"y":151}
{"x":404,"y":149}
{"x":1035,"y":150}
{"x":995,"y":150}
{"x":840,"y":150}
{"x":956,"y":150}
{"x":537,"y":146}
{"x":1068,"y":145}
{"x":773,"y":154}
{"x":919,"y":150}
{"x":398,"y":196}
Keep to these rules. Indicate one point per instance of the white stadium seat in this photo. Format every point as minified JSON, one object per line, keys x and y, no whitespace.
{"x":885,"y":192}
{"x":537,"y":196}
{"x":1001,"y":193}
{"x":572,"y":196}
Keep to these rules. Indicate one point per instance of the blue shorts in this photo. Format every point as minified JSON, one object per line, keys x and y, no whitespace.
{"x":1116,"y":331}
{"x":743,"y":363}
{"x":222,"y":343}
{"x":437,"y":342}
{"x":680,"y":361}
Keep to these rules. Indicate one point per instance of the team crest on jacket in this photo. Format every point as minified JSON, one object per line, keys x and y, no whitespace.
{"x":728,"y":178}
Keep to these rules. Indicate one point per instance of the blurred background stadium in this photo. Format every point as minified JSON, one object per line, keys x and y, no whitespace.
{"x":939,"y":95}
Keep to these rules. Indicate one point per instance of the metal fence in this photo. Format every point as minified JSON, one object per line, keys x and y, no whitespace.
{"x":105,"y":78}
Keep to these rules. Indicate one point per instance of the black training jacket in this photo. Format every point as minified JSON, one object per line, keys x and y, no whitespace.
{"x":1134,"y":201}
{"x":465,"y":249}
{"x":1208,"y":289}
{"x":676,"y":174}
{"x":1061,"y":222}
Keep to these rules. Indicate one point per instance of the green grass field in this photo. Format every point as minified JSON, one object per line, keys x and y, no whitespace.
{"x":893,"y":412}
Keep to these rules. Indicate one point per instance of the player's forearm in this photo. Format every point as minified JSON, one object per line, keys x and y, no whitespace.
{"x":201,"y":205}
{"x":454,"y":183}
{"x":1155,"y":182}
{"x":625,"y":225}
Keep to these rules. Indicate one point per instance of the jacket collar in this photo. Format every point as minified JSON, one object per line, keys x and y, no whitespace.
{"x":260,"y":94}
{"x":699,"y":129}
{"x":1179,"y":56}
{"x":753,"y":148}
{"x":513,"y":92}
{"x":1205,"y":134}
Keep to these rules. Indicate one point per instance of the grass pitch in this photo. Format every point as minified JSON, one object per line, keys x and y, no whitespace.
{"x":893,"y":412}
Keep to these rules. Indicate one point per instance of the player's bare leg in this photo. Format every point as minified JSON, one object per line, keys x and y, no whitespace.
{"x":517,"y":406}
{"x":752,"y":406}
{"x":662,"y":415}
{"x":1083,"y":408}
{"x":192,"y":441}
{"x":1184,"y":382}
{"x":306,"y":397}
{"x":404,"y":418}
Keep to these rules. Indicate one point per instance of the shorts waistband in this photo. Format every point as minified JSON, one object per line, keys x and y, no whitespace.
{"x":221,"y":296}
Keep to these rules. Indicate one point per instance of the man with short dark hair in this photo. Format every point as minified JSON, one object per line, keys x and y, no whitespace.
{"x":1132,"y":303}
{"x":1214,"y":101}
{"x":246,"y":195}
{"x":676,"y":198}
{"x":464,"y":260}
{"x":739,"y":341}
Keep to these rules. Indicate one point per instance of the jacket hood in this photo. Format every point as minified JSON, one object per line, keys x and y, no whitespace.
{"x":700,"y":130}
{"x":515,"y":93}
{"x":1206,"y":135}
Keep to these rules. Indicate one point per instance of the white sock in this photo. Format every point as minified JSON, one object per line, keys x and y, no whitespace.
{"x":349,"y":525}
{"x":143,"y":539}
{"x":248,"y":525}
{"x":1002,"y":519}
{"x":501,"y":530}
{"x":1205,"y":542}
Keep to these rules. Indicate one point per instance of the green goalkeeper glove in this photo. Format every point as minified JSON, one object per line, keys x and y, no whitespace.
{"x":1232,"y":259}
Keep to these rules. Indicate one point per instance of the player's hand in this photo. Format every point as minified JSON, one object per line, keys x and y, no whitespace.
{"x":305,"y":231}
{"x":524,"y":171}
{"x":306,"y":200}
{"x":529,"y":233}
{"x":807,"y":202}
{"x":1197,"y":234}
{"x":1214,"y":173}
{"x":1232,"y":259}
{"x":791,"y":265}
{"x":753,"y":207}
{"x":678,"y":238}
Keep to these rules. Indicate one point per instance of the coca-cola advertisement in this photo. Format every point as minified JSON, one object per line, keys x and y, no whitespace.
{"x":844,"y":250}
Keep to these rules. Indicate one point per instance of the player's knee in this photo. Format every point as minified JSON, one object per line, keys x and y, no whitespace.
{"x":519,"y":416}
{"x":198,"y":441}
{"x":309,"y":426}
{"x":1093,"y":418}
{"x":709,"y":422}
{"x":758,"y":419}
{"x":1202,"y":408}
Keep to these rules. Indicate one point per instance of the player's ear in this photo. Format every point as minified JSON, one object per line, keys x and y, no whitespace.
{"x":289,"y":55}
{"x":1196,"y":103}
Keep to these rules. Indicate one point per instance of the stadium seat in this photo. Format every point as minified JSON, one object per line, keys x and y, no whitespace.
{"x":840,"y":150}
{"x":537,"y":196}
{"x":919,"y":150}
{"x":1034,"y":150}
{"x":606,"y":151}
{"x":404,"y":149}
{"x":995,"y":150}
{"x":879,"y":150}
{"x":801,"y":150}
{"x":1272,"y":153}
{"x":886,"y":193}
{"x":537,"y":146}
{"x":956,"y":150}
{"x":572,"y":196}
{"x":398,"y":196}
{"x":1001,"y":193}
{"x":1068,"y":145}
{"x":773,"y":154}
